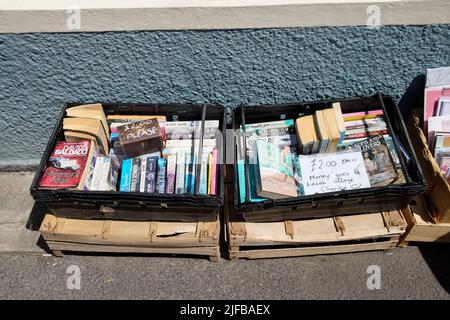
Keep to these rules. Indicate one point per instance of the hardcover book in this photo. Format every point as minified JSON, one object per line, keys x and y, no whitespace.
{"x":377,"y":159}
{"x":68,"y":165}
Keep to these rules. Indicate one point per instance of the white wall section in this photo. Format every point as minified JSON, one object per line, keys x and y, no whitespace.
{"x":22,"y":16}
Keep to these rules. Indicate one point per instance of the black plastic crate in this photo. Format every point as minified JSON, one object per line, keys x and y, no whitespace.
{"x":374,"y":199}
{"x":139,"y":206}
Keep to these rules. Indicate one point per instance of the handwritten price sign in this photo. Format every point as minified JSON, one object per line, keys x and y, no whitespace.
{"x":333,"y":172}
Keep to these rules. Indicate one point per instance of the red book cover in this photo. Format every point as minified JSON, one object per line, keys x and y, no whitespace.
{"x":66,"y":165}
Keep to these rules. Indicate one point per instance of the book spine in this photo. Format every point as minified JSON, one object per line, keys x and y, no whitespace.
{"x":106,"y":165}
{"x":179,"y":183}
{"x":203,"y":185}
{"x":88,"y":184}
{"x":241,"y":180}
{"x":367,"y":123}
{"x":362,"y":115}
{"x":161,"y":177}
{"x":134,"y":185}
{"x":125,"y":175}
{"x":188,"y":175}
{"x":366,"y":134}
{"x":269,"y":125}
{"x":97,"y":173}
{"x":363,"y":128}
{"x":209,"y":171}
{"x":150,"y":180}
{"x":171,"y":173}
{"x":143,"y":173}
{"x":307,"y":148}
{"x":214,"y":156}
{"x":188,"y":143}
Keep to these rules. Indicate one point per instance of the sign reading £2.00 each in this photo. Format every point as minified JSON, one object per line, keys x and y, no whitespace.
{"x":333,"y":172}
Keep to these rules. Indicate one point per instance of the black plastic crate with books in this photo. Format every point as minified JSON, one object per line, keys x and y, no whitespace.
{"x":322,"y":159}
{"x":140,"y":162}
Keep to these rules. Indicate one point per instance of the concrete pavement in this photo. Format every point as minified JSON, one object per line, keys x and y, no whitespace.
{"x":26,"y":271}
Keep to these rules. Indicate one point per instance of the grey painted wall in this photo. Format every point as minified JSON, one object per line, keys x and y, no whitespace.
{"x":39,"y":72}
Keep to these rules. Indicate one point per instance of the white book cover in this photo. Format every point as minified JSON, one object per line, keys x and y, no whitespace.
{"x":97,"y":173}
{"x":143,"y":172}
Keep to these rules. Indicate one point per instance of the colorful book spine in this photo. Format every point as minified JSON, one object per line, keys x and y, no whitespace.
{"x":203,"y":179}
{"x":365,"y":134}
{"x":181,"y":170}
{"x":97,"y":173}
{"x":104,"y":176}
{"x":241,"y":180}
{"x":367,"y":123}
{"x":362,"y":115}
{"x":135,"y":177}
{"x":209,"y":171}
{"x":171,"y":173}
{"x":214,"y":157}
{"x":143,"y":173}
{"x":126,"y":175}
{"x":161,"y":177}
{"x":269,"y":125}
{"x":150,"y":176}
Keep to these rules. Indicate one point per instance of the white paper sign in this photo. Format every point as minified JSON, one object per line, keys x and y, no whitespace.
{"x":333,"y":172}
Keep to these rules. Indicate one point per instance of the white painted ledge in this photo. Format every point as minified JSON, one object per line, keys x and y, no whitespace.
{"x":21,"y":16}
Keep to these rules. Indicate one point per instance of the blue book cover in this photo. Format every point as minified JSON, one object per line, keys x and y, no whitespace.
{"x":203,"y":187}
{"x":161,"y":178}
{"x":241,"y":180}
{"x":126,"y":175}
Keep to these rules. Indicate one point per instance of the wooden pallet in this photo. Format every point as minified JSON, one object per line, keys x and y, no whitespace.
{"x":422,"y":227}
{"x":110,"y":236}
{"x":364,"y":232}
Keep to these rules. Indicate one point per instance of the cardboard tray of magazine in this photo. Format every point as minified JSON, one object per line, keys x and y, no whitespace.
{"x":67,"y":203}
{"x":374,"y":199}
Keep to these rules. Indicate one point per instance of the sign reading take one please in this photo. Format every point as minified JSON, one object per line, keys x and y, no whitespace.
{"x":333,"y":172}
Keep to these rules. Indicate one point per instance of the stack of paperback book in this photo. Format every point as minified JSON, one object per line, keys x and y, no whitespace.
{"x":326,"y":151}
{"x":437,"y":116}
{"x":133,"y":153}
{"x":176,"y":167}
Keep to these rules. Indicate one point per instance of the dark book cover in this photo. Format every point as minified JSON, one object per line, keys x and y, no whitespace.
{"x":377,"y":160}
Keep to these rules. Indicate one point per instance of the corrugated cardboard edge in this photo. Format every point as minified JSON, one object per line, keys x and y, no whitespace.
{"x":438,"y":190}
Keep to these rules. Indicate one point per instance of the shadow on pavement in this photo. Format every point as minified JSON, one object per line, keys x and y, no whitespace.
{"x":36,"y":216}
{"x":437,"y":256}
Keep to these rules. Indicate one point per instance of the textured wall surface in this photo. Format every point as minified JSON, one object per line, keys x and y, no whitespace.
{"x":40,"y":72}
